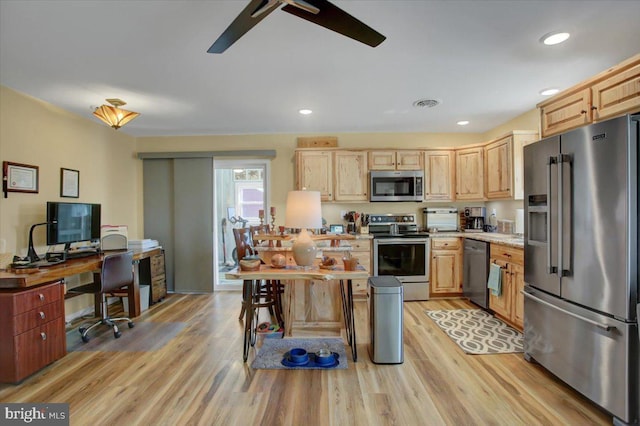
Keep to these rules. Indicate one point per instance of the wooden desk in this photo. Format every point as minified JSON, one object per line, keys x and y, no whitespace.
{"x":32,"y":318}
{"x":251,"y":287}
{"x":12,"y":280}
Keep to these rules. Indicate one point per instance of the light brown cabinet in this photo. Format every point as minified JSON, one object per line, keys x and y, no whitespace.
{"x":350,"y":176}
{"x":613,"y":92}
{"x":617,"y":94}
{"x":439,"y":175}
{"x":32,"y":335}
{"x":564,"y":113}
{"x":470,"y":173}
{"x":503,"y":165}
{"x":395,"y":160}
{"x":446,"y":267}
{"x":314,"y":172}
{"x":361,"y":249}
{"x":509,"y":305}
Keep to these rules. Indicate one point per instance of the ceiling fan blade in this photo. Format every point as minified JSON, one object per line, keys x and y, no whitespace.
{"x":336,"y":19}
{"x":243,"y":23}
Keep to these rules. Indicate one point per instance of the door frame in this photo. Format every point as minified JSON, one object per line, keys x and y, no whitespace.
{"x":231,"y":164}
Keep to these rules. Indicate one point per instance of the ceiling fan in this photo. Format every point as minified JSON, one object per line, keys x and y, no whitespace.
{"x":319,"y":12}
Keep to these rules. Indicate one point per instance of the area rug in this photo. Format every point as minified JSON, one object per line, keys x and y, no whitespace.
{"x":477,"y":332}
{"x":144,"y":337}
{"x":272,"y":352}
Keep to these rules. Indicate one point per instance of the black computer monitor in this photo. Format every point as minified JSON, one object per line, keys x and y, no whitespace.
{"x":72,"y":222}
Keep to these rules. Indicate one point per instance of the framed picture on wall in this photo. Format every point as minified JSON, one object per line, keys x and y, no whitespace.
{"x":19,"y":177}
{"x":69,"y":183}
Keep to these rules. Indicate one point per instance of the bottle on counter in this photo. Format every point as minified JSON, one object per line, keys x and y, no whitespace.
{"x":493,"y":221}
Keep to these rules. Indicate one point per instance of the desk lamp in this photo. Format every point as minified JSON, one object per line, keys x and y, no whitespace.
{"x":303,"y":211}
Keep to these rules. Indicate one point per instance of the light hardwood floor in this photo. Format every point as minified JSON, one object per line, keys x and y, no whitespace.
{"x":199,"y":378}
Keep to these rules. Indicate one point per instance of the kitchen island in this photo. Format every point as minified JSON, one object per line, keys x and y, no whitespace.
{"x":290,"y":276}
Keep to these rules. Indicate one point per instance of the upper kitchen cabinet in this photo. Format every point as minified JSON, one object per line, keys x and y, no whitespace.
{"x":565,"y":113}
{"x":613,"y":92}
{"x":503,"y":166}
{"x":314,"y":172}
{"x":439,"y":175}
{"x":470,"y":173}
{"x":395,"y":160}
{"x":350,"y":176}
{"x":617,"y":94}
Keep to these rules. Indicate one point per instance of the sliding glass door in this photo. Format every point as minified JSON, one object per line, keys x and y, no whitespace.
{"x":240,"y":191}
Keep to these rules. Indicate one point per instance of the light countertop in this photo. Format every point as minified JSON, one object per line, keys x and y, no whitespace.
{"x":490,"y":237}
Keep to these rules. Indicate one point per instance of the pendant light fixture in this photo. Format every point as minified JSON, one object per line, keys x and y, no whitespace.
{"x":113,"y":115}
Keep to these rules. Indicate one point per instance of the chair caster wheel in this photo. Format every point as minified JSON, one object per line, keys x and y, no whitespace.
{"x":117,"y":334}
{"x":131,"y":325}
{"x":85,"y":338}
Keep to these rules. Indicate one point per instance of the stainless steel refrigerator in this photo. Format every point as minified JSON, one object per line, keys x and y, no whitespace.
{"x":581,"y":262}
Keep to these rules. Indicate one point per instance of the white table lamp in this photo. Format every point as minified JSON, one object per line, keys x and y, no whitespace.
{"x":303,"y":211}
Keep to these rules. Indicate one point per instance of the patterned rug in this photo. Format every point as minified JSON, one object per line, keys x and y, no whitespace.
{"x":272,"y":352}
{"x":477,"y":332}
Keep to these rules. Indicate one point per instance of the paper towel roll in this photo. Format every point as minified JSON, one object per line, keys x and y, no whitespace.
{"x":519,"y":221}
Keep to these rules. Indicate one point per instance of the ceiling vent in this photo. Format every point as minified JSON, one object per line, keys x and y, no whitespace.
{"x":426,"y":103}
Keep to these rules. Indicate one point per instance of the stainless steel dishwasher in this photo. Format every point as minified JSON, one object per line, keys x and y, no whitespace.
{"x":476,"y":272}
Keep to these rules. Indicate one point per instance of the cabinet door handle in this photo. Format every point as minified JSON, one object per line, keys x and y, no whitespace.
{"x":41,"y":297}
{"x":43,"y":336}
{"x":42,"y":315}
{"x":594,"y":107}
{"x":583,"y":112}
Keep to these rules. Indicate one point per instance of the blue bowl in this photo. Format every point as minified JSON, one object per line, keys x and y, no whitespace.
{"x":298,"y":355}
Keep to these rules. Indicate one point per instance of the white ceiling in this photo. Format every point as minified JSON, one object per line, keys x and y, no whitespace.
{"x":482,"y":59}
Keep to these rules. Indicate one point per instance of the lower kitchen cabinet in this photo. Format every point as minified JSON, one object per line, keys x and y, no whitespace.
{"x":361,"y":249}
{"x":32,"y":330}
{"x":509,"y":305}
{"x":446,"y":267}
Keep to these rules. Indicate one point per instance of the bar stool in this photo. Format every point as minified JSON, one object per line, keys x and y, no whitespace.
{"x":269,"y":293}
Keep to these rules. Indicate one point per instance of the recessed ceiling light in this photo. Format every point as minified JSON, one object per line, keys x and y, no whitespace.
{"x":305,"y":111}
{"x":462,"y":123}
{"x":549,"y":92}
{"x":554,"y":38}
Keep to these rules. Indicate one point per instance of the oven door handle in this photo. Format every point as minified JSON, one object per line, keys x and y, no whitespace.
{"x":389,"y":241}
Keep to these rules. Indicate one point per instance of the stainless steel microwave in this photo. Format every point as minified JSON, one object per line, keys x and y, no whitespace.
{"x":401,"y":185}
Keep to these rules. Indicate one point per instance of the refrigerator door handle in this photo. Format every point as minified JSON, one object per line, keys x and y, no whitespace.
{"x":550,"y":268}
{"x":605,"y":327}
{"x":564,"y":208}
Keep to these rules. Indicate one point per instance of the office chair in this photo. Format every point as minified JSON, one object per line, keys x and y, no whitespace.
{"x":116,"y":272}
{"x":270,"y":291}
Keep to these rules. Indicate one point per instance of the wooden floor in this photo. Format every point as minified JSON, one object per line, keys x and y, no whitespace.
{"x":199,"y":378}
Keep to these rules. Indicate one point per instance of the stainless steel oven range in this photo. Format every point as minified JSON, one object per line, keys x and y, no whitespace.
{"x":400,"y":250}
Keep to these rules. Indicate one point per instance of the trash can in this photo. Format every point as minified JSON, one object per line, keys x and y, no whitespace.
{"x":385,"y":295}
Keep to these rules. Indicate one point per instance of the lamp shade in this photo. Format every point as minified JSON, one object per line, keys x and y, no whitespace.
{"x":303,"y":210}
{"x":114,"y":116}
